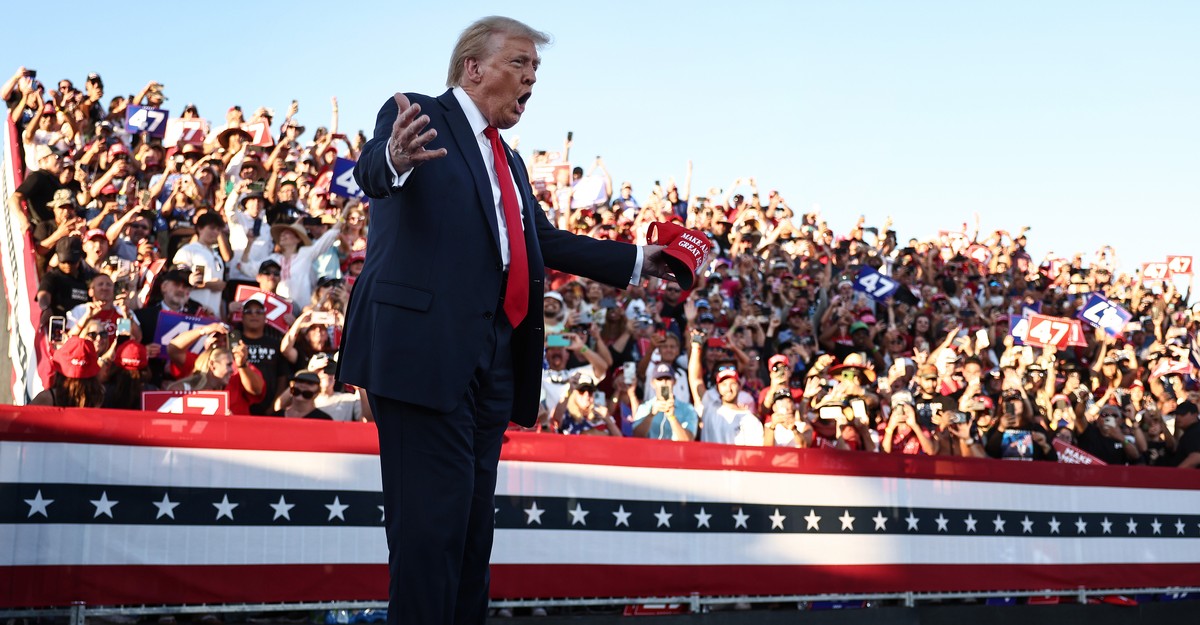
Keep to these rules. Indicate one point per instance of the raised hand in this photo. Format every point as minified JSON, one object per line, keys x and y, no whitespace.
{"x":407,"y":147}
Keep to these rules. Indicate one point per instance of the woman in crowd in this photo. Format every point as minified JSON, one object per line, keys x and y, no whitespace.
{"x":295,"y":252}
{"x":76,"y":381}
{"x":224,"y":369}
{"x":130,"y":377}
{"x":578,"y":413}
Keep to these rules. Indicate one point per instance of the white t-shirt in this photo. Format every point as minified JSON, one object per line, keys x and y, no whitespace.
{"x":340,"y":406}
{"x":682,"y":393}
{"x":732,"y":426}
{"x":588,"y":192}
{"x":240,"y":225}
{"x":196,"y":254}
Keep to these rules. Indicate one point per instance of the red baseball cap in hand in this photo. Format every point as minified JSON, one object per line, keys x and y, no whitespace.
{"x":684,"y":250}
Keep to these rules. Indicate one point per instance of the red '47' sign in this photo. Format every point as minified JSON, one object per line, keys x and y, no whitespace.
{"x":1154,"y":271}
{"x":1179,"y":265}
{"x":186,"y":402}
{"x":1054,"y":332}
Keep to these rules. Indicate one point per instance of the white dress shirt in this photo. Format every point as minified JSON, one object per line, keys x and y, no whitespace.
{"x":478,"y":124}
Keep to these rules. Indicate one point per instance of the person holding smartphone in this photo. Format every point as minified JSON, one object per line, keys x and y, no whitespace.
{"x":664,"y":416}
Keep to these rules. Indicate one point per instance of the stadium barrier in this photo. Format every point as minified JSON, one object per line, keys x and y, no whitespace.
{"x":127,"y":508}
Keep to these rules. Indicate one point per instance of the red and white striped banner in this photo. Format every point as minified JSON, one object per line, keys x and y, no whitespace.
{"x":112,"y":507}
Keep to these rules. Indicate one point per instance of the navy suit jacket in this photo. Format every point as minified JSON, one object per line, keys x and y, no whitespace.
{"x":429,"y":289}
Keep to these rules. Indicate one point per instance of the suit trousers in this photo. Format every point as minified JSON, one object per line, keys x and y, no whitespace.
{"x":439,"y":485}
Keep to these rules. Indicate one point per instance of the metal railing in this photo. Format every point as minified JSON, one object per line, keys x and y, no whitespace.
{"x":79,"y":612}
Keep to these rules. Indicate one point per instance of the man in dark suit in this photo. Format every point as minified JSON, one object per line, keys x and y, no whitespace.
{"x":451,"y":290}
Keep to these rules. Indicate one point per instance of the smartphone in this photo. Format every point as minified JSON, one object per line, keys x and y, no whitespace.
{"x":570,"y":134}
{"x":558,"y":340}
{"x":257,"y":229}
{"x":630,"y":373}
{"x":257,"y":187}
{"x":58,"y":328}
{"x":860,"y":410}
{"x":981,"y":339}
{"x":1110,"y":421}
{"x":234,"y":336}
{"x":599,"y":398}
{"x":323,"y":317}
{"x":124,"y":327}
{"x":832,"y":413}
{"x":664,"y":393}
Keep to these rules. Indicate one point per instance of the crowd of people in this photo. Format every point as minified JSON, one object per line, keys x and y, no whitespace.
{"x":776,"y":344}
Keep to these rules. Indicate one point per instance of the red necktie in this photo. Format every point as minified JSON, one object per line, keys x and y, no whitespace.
{"x":516,"y":296}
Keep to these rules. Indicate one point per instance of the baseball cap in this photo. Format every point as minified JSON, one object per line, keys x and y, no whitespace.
{"x":902,"y":398}
{"x":777,"y":359}
{"x":663,"y":370}
{"x":553,"y":295}
{"x":1186,"y":408}
{"x":176,"y":275}
{"x":77,"y":358}
{"x":927,"y":371}
{"x":117,"y":148}
{"x":304,"y":375}
{"x":95,"y":233}
{"x":858,"y":325}
{"x":62,"y":197}
{"x":727,"y":373}
{"x":782,"y":393}
{"x":703,"y":303}
{"x":69,"y":250}
{"x":267,"y":265}
{"x":132,"y":355}
{"x":705,"y":318}
{"x":583,"y":379}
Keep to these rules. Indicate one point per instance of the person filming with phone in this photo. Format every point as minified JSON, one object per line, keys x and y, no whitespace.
{"x":665,"y":417}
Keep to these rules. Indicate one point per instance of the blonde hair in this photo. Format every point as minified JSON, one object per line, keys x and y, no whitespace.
{"x":198,"y":379}
{"x":477,"y":42}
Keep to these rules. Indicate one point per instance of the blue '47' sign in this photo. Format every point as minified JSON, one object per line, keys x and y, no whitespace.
{"x":343,"y":182}
{"x":146,"y":119}
{"x":1104,"y":313}
{"x":876,"y":285}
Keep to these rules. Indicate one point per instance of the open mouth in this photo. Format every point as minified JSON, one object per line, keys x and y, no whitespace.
{"x":521,"y":102}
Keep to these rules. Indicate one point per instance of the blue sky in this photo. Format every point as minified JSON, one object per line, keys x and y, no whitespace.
{"x":1081,"y":119}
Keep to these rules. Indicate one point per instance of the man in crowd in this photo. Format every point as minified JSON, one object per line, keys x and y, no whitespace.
{"x":298,"y":400}
{"x":665,"y":417}
{"x":200,"y":257}
{"x":65,"y":285}
{"x":729,"y":422}
{"x":1187,"y":449}
{"x":263,"y":351}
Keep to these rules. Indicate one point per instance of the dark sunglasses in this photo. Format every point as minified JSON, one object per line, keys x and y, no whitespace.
{"x":586,"y":390}
{"x":304,"y":394}
{"x":93,"y":335}
{"x":270,"y":273}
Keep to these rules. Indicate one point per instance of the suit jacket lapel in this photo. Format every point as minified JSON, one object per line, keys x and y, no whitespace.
{"x":469,"y":146}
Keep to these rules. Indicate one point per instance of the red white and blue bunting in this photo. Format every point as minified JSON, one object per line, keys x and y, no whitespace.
{"x":113,"y":507}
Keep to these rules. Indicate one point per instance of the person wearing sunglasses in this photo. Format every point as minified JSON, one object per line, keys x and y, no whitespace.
{"x":298,"y":400}
{"x":578,"y":413}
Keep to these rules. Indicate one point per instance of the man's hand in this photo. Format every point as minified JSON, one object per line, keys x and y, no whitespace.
{"x":408,"y":142}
